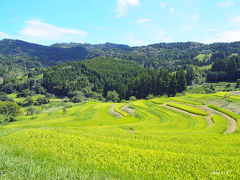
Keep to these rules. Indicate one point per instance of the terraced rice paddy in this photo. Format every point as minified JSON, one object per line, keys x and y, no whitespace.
{"x":155,"y":142}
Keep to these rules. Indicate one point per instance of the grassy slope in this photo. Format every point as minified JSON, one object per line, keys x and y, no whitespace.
{"x":86,"y":142}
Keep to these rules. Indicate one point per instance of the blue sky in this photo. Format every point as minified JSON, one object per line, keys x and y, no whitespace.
{"x":132,"y":22}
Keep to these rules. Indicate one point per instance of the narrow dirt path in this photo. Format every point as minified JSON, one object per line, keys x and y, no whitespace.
{"x":208,"y":118}
{"x":232,"y":123}
{"x":113,"y":112}
{"x":127,"y":109}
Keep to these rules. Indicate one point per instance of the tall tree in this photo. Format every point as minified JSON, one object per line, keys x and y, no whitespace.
{"x":181,"y":80}
{"x":190,"y":72}
{"x":172,"y":88}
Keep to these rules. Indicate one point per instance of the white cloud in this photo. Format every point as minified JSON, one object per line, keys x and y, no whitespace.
{"x":163,"y":4}
{"x":225,"y":36}
{"x":123,"y":5}
{"x":226,"y":3}
{"x":148,"y":35}
{"x":4,"y":35}
{"x":229,"y":36}
{"x":141,"y":21}
{"x":171,"y":11}
{"x":36,"y":31}
{"x":235,"y":20}
{"x":195,"y":16}
{"x":132,"y":41}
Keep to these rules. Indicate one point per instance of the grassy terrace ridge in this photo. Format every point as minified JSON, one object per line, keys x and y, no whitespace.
{"x":220,"y":123}
{"x":140,"y":103}
{"x":189,"y":109}
{"x":225,"y":111}
{"x":159,"y":100}
{"x":234,"y":97}
{"x":185,"y":101}
{"x":86,"y":142}
{"x":118,"y":107}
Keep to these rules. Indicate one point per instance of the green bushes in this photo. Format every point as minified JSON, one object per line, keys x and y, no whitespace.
{"x":190,"y":109}
{"x":42,"y":100}
{"x":112,"y":96}
{"x":132,"y":98}
{"x":9,"y":108}
{"x":8,"y":111}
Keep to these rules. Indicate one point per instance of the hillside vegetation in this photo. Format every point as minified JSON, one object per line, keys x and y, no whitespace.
{"x":154,"y":55}
{"x":101,"y":75}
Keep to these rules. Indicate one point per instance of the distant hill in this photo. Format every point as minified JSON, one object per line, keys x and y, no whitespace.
{"x":154,"y":55}
{"x":45,"y":54}
{"x":90,"y":46}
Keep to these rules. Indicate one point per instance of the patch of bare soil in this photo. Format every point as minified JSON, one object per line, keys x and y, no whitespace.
{"x":127,"y":109}
{"x":113,"y":112}
{"x":235,"y":93}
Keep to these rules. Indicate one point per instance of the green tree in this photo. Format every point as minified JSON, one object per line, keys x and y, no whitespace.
{"x":150,"y":96}
{"x":181,"y":80}
{"x":238,"y":84}
{"x":32,"y":110}
{"x":42,"y":100}
{"x":28,"y":101}
{"x":8,"y":111}
{"x":25,"y":93}
{"x":190,"y":73}
{"x":132,"y":98}
{"x":172,"y":88}
{"x":112,"y":96}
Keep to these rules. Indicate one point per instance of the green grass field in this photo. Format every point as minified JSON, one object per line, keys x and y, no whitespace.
{"x":157,"y":142}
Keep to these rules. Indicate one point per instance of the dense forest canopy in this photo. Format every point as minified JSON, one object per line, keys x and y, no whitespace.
{"x":225,"y":70}
{"x":100,"y":75}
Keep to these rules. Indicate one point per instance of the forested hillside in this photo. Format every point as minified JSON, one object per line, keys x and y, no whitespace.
{"x":17,"y":66}
{"x":225,"y":70}
{"x":12,"y":49}
{"x":99,"y":76}
{"x":168,"y":55}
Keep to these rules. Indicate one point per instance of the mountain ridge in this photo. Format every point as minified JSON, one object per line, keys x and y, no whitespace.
{"x":153,"y":55}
